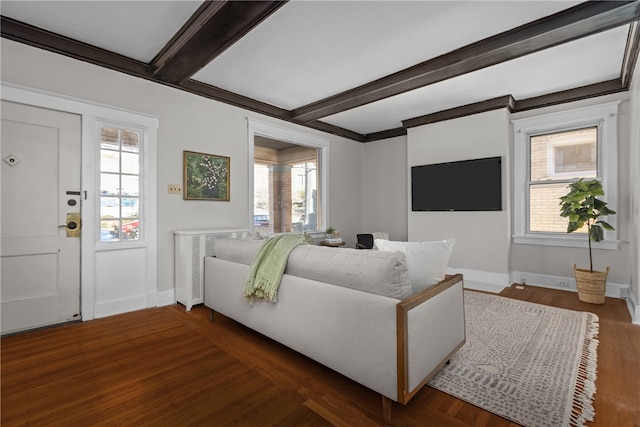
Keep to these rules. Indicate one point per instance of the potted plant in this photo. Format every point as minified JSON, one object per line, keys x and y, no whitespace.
{"x":582,"y":206}
{"x":329,"y":231}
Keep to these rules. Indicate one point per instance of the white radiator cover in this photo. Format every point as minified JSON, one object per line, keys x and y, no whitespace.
{"x":191,"y":247}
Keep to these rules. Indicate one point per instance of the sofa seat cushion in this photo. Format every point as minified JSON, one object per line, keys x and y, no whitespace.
{"x":380,"y":273}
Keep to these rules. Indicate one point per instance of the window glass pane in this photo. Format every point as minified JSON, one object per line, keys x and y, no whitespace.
{"x":130,"y":163}
{"x":109,"y":138}
{"x":130,"y":185}
{"x":564,"y":155}
{"x":130,"y":230}
{"x":575,"y":158}
{"x":119,"y":184}
{"x":130,"y":208}
{"x":261,"y":198}
{"x":109,"y":184}
{"x":130,"y":141}
{"x":544,"y":208}
{"x":109,"y":161}
{"x":303,"y":197}
{"x":285,"y":188}
{"x":109,"y":231}
{"x":109,"y":207}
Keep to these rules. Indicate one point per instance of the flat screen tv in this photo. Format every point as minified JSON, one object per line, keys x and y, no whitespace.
{"x":467,"y":185}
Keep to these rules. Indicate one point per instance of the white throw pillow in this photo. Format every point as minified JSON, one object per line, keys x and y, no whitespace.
{"x":427,"y":261}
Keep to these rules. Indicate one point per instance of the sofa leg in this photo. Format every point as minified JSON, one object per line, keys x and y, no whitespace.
{"x":211,"y":315}
{"x":386,"y":410}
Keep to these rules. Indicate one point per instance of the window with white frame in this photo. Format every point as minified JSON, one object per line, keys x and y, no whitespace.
{"x":288,"y":177}
{"x":550,"y":152}
{"x":120,"y":183}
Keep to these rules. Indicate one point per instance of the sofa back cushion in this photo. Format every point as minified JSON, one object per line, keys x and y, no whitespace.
{"x":381,"y":273}
{"x":427,"y":261}
{"x":242,"y":251}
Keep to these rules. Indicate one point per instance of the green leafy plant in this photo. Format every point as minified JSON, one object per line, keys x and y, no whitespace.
{"x":582,"y":206}
{"x":330,"y":230}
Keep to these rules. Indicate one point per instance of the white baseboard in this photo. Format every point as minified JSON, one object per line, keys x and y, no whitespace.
{"x":154,"y":299}
{"x":496,"y":282}
{"x":110,"y":308}
{"x":634,"y":308}
{"x":485,"y":287}
{"x":614,"y":290}
{"x":165,"y":298}
{"x":482,"y":280}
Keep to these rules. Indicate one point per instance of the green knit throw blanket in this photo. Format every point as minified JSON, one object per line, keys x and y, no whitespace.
{"x":268,"y":267}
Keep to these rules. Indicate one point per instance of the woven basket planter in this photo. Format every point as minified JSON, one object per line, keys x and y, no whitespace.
{"x":591,"y":285}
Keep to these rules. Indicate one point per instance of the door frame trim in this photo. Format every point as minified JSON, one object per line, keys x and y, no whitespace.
{"x":91,"y":113}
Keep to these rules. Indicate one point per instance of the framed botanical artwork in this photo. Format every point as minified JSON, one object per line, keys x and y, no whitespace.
{"x":206,"y":176}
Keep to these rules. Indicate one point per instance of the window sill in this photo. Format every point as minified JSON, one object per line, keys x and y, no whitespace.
{"x":565,"y":241}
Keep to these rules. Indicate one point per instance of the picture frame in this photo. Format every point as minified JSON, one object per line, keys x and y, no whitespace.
{"x":205,"y":176}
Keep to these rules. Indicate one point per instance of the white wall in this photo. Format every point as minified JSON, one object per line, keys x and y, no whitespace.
{"x":384,"y":183}
{"x":361,"y":174}
{"x":558,"y":261}
{"x":187,"y":122}
{"x":634,"y":166}
{"x":482,"y":238}
{"x":345,"y":189}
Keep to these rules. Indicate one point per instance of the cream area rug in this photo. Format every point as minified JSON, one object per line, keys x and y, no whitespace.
{"x":532,"y":364}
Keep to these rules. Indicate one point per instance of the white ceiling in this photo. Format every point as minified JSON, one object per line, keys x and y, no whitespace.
{"x":137,"y":29}
{"x":563,"y":67}
{"x":309,"y":50}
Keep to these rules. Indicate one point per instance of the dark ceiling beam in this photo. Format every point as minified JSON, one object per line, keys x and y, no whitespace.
{"x":580,"y":21}
{"x":52,"y":42}
{"x":215,"y":93}
{"x":505,"y":101}
{"x":334,"y":130}
{"x":28,"y":34}
{"x":212,"y":29}
{"x":630,"y":54}
{"x":37,"y":37}
{"x":231,"y":98}
{"x":385,"y":134}
{"x":570,"y":95}
{"x":512,"y":105}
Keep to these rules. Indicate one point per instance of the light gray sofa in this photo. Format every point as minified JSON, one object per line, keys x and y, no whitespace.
{"x":350,"y":310}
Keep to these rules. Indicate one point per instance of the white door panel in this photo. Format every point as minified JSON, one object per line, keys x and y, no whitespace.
{"x":34,"y":282}
{"x":40,"y":264}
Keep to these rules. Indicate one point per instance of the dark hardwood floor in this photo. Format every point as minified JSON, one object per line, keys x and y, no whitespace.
{"x":168,"y":367}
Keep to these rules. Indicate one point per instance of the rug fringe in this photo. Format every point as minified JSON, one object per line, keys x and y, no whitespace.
{"x":557,"y":348}
{"x":583,"y":410}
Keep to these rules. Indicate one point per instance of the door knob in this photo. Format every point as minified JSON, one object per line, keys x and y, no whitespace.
{"x":72,"y":225}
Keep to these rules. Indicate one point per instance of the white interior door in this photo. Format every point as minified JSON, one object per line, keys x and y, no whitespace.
{"x":41,"y":163}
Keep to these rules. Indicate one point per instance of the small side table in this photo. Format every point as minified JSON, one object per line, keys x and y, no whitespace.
{"x":332,"y":245}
